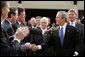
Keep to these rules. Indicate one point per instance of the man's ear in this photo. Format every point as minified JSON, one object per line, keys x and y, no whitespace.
{"x":2,"y":10}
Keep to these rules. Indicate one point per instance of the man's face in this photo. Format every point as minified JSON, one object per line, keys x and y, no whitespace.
{"x":72,"y":16}
{"x":14,"y":17}
{"x":44,"y":24}
{"x":5,"y":11}
{"x":38,"y":22}
{"x":22,"y":16}
{"x":33,"y":22}
{"x":59,"y":20}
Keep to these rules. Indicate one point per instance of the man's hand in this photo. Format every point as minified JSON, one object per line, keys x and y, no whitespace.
{"x":25,"y":31}
{"x":34,"y":47}
{"x":21,"y":33}
{"x":48,"y":31}
{"x":28,"y":45}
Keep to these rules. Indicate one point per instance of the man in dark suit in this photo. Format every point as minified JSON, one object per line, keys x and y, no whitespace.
{"x":44,"y":27}
{"x":72,"y":21}
{"x":10,"y":48}
{"x":15,"y":26}
{"x":38,"y":18}
{"x":9,"y":29}
{"x":7,"y":22}
{"x":21,"y":16}
{"x":6,"y":48}
{"x":20,"y":20}
{"x":64,"y":38}
{"x":40,"y":38}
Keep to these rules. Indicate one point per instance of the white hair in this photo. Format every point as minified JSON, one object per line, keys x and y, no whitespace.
{"x":33,"y":19}
{"x":44,"y":19}
{"x":63,"y":14}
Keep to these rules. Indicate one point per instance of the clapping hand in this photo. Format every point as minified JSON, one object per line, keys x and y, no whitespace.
{"x":21,"y":33}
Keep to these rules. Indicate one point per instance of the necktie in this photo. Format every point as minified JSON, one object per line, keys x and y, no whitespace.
{"x":61,"y":36}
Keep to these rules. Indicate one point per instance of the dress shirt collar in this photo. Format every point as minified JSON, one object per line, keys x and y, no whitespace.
{"x":43,"y":31}
{"x":7,"y":21}
{"x":72,"y":23}
{"x":64,"y":26}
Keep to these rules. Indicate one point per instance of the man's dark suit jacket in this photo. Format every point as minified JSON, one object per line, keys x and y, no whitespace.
{"x":9,"y":30}
{"x":81,"y":28}
{"x":8,"y":27}
{"x":71,"y":41}
{"x":15,"y":26}
{"x":7,"y":48}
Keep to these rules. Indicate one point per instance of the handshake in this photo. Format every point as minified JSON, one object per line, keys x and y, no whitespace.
{"x":21,"y":33}
{"x":32,"y":47}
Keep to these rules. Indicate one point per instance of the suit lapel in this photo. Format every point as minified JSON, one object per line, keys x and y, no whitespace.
{"x":9,"y":25}
{"x":76,"y":25}
{"x":67,"y":31}
{"x":58,"y":31}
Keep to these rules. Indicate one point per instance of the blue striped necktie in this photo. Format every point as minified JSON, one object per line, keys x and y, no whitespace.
{"x":61,"y":36}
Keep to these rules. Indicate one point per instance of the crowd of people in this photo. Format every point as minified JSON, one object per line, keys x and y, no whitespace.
{"x":36,"y":37}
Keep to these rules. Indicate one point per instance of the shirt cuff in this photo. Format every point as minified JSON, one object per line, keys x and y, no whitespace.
{"x":76,"y":53}
{"x":39,"y":47}
{"x":17,"y":40}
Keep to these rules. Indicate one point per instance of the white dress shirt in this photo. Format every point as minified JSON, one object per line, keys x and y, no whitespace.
{"x":43,"y":31}
{"x":73,"y":23}
{"x":64,"y":29}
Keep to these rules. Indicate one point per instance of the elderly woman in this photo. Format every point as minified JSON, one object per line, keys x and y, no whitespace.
{"x":33,"y":22}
